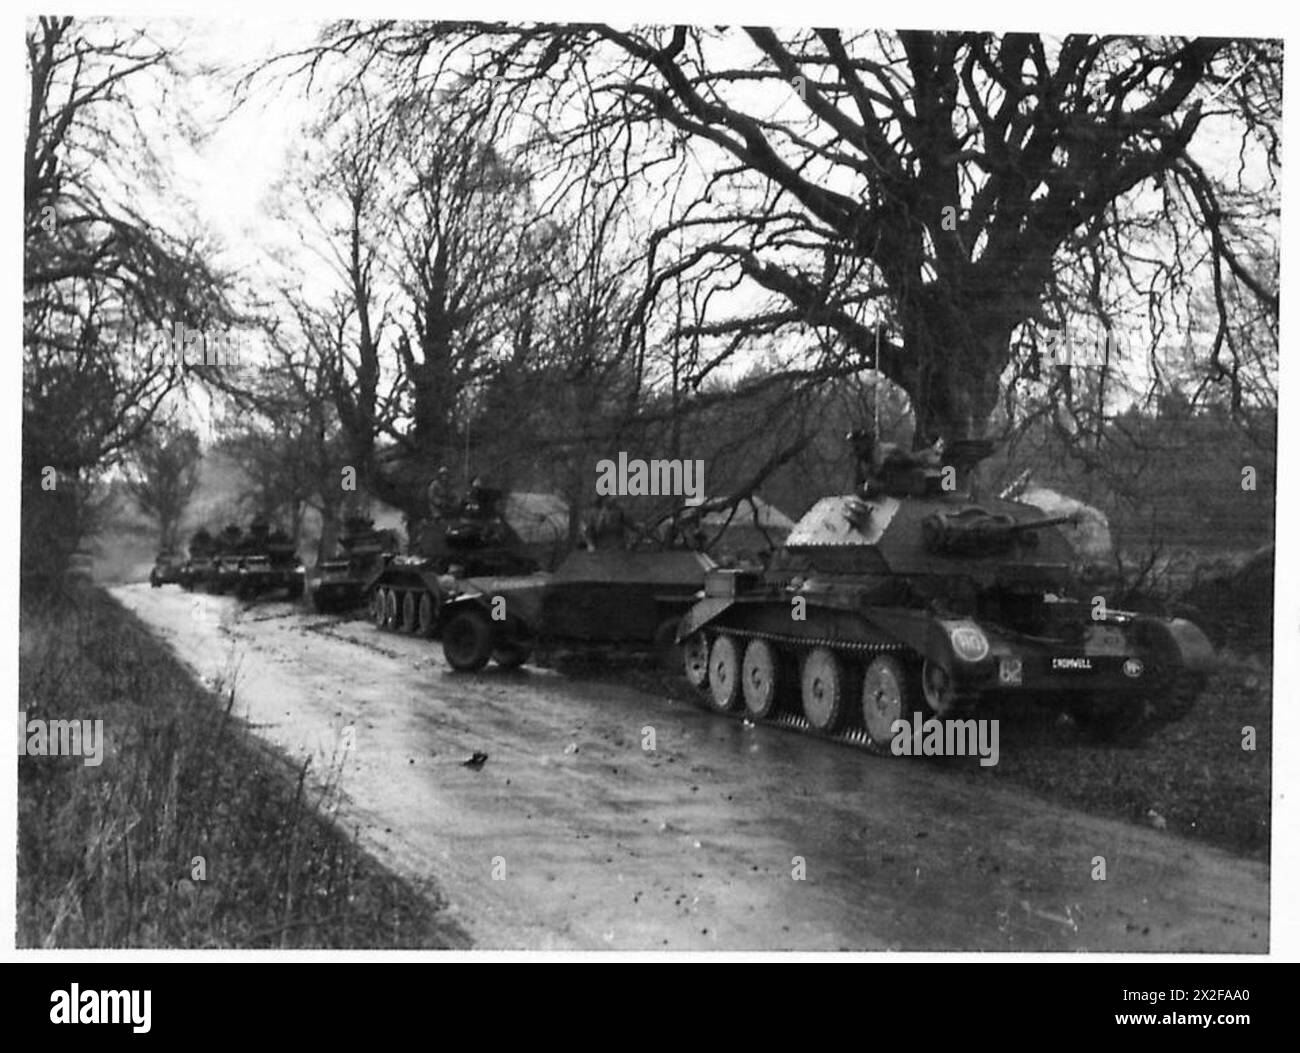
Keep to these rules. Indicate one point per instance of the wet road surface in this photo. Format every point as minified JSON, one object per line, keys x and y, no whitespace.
{"x":723,"y":837}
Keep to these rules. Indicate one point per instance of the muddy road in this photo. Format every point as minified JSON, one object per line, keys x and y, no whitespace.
{"x":723,"y":837}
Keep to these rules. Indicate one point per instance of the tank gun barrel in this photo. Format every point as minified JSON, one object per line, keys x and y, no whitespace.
{"x":1040,"y":524}
{"x":973,"y":531}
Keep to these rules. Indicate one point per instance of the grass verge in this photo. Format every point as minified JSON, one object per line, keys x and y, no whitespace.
{"x":191,"y":833}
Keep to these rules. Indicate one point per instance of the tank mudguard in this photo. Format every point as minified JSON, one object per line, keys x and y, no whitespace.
{"x":702,"y":613}
{"x":1181,"y":637}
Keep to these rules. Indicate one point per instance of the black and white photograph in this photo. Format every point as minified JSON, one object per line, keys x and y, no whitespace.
{"x":648,"y":488}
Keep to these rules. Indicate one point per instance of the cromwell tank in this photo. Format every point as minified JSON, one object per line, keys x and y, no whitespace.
{"x":339,"y":584}
{"x":407,"y":592}
{"x":267,"y":562}
{"x":907,"y":600}
{"x":198,"y":568}
{"x":226,"y":555}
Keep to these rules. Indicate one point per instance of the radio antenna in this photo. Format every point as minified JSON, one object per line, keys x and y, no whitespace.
{"x":875,"y":392}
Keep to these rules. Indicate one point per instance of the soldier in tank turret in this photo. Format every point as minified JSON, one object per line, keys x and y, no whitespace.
{"x":480,"y":501}
{"x":442,"y":499}
{"x":863,"y":445}
{"x":605,"y":527}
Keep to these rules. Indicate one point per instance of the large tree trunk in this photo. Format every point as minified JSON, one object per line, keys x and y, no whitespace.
{"x":954,"y":357}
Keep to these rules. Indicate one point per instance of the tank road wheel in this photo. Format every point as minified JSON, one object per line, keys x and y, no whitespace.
{"x":937,"y":687}
{"x":724,"y":674}
{"x":410,"y":612}
{"x":887,"y":696}
{"x":695,"y":659}
{"x":823,"y":690}
{"x":760,"y":679}
{"x":390,"y":609}
{"x":377,"y":607}
{"x":467,"y":641}
{"x":428,"y":614}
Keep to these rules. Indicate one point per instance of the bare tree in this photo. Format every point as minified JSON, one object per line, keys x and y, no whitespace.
{"x":101,"y":280}
{"x":162,"y":476}
{"x":932,"y":195}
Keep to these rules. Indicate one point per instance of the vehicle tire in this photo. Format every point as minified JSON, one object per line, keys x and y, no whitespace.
{"x":888,"y":694}
{"x":823,"y":690}
{"x":760,"y":679}
{"x":377,"y":607}
{"x":410,"y":612}
{"x":467,"y":641}
{"x":296,"y":588}
{"x":724,"y":674}
{"x":512,"y":655}
{"x":390,"y":609}
{"x":427,"y":617}
{"x":937,"y":688}
{"x":695,"y":660}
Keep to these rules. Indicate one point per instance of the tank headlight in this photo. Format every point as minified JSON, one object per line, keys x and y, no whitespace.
{"x":968,"y":642}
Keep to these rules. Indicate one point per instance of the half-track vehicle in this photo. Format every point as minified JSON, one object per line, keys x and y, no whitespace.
{"x":609,"y":599}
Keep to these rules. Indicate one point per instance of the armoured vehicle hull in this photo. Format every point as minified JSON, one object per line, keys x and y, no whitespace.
{"x":224,"y":574}
{"x":611,"y":598}
{"x":167,"y":570}
{"x":406,"y":593}
{"x":890,"y":606}
{"x":262,"y":574}
{"x":196,"y":572}
{"x":340,"y":584}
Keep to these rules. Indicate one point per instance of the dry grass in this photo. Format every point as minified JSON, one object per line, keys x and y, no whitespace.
{"x":107,"y":855}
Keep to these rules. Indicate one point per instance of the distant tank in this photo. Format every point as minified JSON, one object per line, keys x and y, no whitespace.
{"x":914,"y":598}
{"x":166,"y":570}
{"x":339,"y":584}
{"x":225,"y":560}
{"x":197,"y":568}
{"x":405,"y":594}
{"x":267,"y":562}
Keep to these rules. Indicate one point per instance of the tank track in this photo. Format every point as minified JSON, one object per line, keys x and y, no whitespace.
{"x":788,"y":715}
